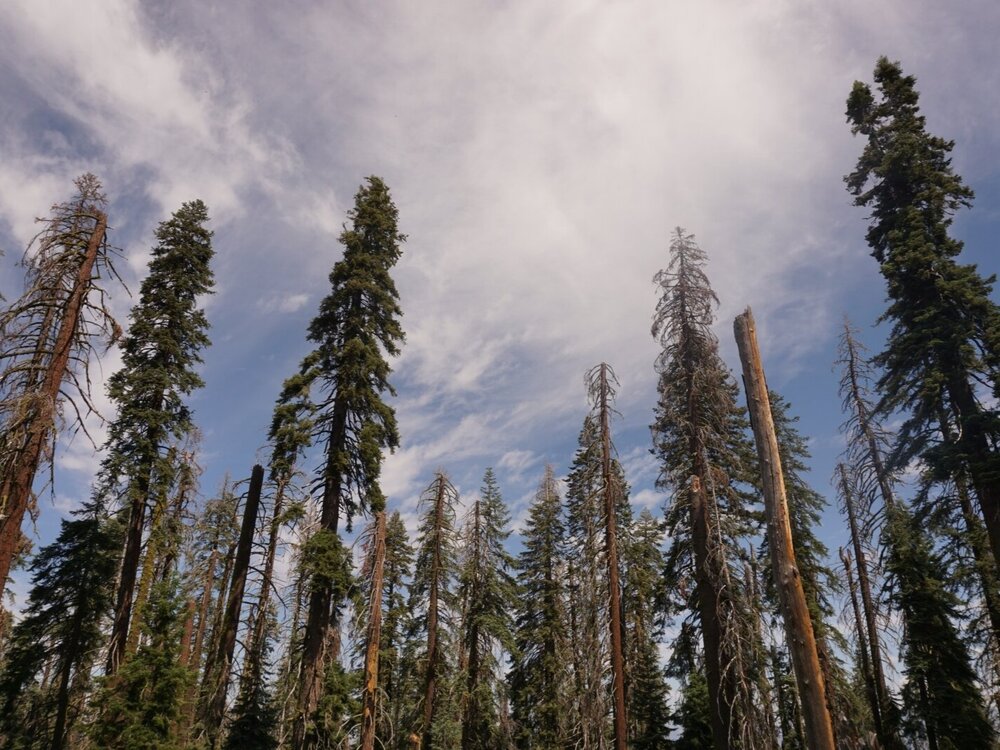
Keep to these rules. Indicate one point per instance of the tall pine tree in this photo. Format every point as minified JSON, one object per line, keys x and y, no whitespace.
{"x":943,"y":352}
{"x":160,"y":354}
{"x":488,"y":596}
{"x":539,"y":678}
{"x":700,"y":438}
{"x":356,"y":329}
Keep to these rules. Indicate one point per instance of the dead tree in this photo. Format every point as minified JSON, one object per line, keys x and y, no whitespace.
{"x":868,"y":607}
{"x":46,"y":345}
{"x":601,"y":384}
{"x":234,"y":605}
{"x":369,"y":696}
{"x":874,"y":702}
{"x":791,"y":596}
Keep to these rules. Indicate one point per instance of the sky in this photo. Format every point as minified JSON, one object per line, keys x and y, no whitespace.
{"x":540,"y":155}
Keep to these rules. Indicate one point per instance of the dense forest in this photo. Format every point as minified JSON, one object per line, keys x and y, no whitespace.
{"x":159,"y":619}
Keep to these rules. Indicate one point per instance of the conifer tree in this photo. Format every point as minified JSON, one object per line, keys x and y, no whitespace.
{"x":356,"y":329}
{"x":159,"y":356}
{"x":700,"y":438}
{"x":941,"y":694}
{"x":587,"y":592}
{"x":47,"y":342}
{"x":648,"y":712}
{"x":943,"y":352}
{"x":539,"y":678}
{"x":488,"y":595}
{"x":694,"y":714}
{"x":434,"y":606}
{"x":59,"y":633}
{"x":140,"y":705}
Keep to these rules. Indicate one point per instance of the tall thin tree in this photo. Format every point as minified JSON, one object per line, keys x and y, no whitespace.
{"x":160,"y":354}
{"x":356,"y":329}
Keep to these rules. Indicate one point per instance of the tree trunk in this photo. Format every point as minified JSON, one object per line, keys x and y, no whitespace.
{"x":15,"y":488}
{"x":319,"y":618}
{"x":874,"y":701}
{"x":978,"y":456}
{"x":234,"y":605}
{"x":369,"y":702}
{"x":139,"y":495}
{"x":791,"y":596}
{"x":887,"y":736}
{"x":614,"y":583}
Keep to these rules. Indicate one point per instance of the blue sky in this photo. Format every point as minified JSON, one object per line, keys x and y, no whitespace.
{"x":540,"y":155}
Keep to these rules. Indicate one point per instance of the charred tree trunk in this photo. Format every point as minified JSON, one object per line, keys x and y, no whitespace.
{"x":319,"y":618}
{"x":15,"y":488}
{"x":139,"y":496}
{"x":791,"y":596}
{"x":256,"y":645}
{"x":234,"y":605}
{"x":369,"y":698}
{"x":614,"y":582}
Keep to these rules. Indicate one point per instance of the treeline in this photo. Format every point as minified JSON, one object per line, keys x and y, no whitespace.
{"x":158,"y":620}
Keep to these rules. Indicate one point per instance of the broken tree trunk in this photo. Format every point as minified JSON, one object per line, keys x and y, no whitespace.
{"x":791,"y":596}
{"x":234,"y":604}
{"x":15,"y":488}
{"x":374,"y":637}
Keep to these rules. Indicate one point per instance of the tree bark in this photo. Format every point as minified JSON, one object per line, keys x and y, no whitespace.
{"x":234,"y":605}
{"x":369,"y":698}
{"x":15,"y":488}
{"x":791,"y":596}
{"x":319,"y":617}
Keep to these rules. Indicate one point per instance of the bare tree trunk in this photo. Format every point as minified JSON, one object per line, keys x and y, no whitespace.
{"x":369,"y":698}
{"x":15,"y":488}
{"x":887,"y":736}
{"x":791,"y":596}
{"x":614,"y":583}
{"x":234,"y":605}
{"x":874,"y":700}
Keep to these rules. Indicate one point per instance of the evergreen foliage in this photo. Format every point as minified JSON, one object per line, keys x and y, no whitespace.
{"x":160,"y":355}
{"x":699,"y":436}
{"x":648,"y":711}
{"x":943,"y":352}
{"x":339,"y":388}
{"x":59,"y":633}
{"x":936,"y":661}
{"x":539,"y":678}
{"x":694,"y":715}
{"x":941,"y":696}
{"x":434,"y":609}
{"x":140,"y":705}
{"x":488,"y":596}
